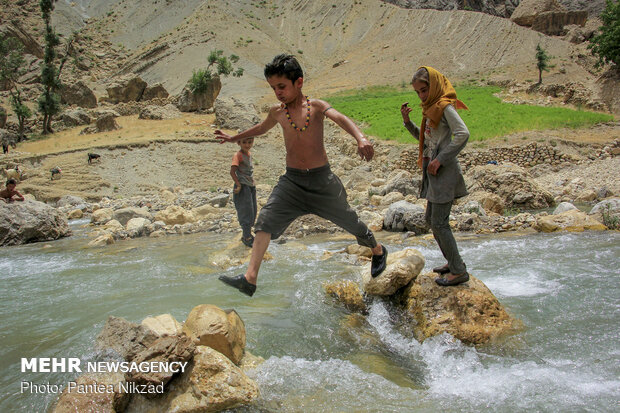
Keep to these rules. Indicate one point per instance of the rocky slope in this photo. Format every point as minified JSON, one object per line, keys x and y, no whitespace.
{"x":502,"y":8}
{"x":345,"y":45}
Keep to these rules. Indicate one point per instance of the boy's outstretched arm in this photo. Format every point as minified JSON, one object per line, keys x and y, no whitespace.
{"x":233,"y":174}
{"x":364,"y":147}
{"x":256,"y":130}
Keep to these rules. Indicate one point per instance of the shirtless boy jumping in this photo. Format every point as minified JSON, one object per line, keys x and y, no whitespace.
{"x":308,"y":186}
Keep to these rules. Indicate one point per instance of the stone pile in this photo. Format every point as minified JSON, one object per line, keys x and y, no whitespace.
{"x":208,"y":353}
{"x":610,"y":151}
{"x":525,"y":156}
{"x":469,"y":312}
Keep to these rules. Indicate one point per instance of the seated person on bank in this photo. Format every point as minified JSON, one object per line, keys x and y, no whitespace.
{"x":9,"y":192}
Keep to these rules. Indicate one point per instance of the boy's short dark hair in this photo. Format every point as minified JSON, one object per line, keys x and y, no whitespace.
{"x":11,"y":181}
{"x":284,"y":65}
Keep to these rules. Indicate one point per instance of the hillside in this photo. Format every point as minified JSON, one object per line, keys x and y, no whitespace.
{"x":371,"y":42}
{"x":502,"y":8}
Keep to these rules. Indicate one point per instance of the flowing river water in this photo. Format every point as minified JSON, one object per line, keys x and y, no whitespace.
{"x":564,"y":287}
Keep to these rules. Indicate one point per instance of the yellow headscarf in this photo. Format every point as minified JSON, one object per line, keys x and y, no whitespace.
{"x":440,"y":94}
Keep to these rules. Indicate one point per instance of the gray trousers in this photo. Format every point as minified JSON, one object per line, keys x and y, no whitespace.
{"x":438,"y":218}
{"x":316,"y":191}
{"x":245,"y":204}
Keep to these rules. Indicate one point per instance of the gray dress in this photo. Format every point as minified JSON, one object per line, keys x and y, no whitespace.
{"x":440,"y":144}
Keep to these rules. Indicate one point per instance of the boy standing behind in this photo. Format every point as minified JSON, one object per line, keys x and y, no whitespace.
{"x":244,"y":194}
{"x":308,"y":186}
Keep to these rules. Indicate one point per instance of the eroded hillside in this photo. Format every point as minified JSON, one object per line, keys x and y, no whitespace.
{"x":341,"y":45}
{"x":349,"y":44}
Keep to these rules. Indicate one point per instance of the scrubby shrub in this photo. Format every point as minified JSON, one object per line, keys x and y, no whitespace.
{"x":218,"y":65}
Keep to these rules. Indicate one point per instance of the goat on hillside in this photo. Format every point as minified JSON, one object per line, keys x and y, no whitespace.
{"x":93,"y":156}
{"x":55,"y":172}
{"x":14,"y":173}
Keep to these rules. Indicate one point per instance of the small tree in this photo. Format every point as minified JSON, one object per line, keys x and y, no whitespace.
{"x":49,"y":101}
{"x":11,"y":69}
{"x":606,"y":45}
{"x":542,"y":62}
{"x":201,"y":78}
{"x":22,"y":111}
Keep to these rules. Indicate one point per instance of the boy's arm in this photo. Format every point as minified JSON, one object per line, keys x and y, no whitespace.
{"x":256,"y":130}
{"x":364,"y":147}
{"x":20,"y":197}
{"x":233,"y":173}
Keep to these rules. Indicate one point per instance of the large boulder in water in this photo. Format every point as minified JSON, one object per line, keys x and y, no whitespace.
{"x":31,"y":221}
{"x":224,"y":331}
{"x":165,"y":350}
{"x":469,"y":311}
{"x":348,"y":293}
{"x":403,"y":266}
{"x":211,"y":383}
{"x":572,"y":220}
{"x":80,"y":399}
{"x":125,"y":338}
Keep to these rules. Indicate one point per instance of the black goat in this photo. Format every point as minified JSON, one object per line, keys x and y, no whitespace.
{"x":55,"y":171}
{"x":93,"y":156}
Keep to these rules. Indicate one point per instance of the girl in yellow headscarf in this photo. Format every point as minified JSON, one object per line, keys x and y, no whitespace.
{"x":441,"y":136}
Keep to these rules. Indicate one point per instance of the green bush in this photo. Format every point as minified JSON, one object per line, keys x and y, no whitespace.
{"x":199,"y":81}
{"x":609,"y":219}
{"x":223,"y":66}
{"x":606,"y":45}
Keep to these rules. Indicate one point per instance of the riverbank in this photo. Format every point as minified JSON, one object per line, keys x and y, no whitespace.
{"x":179,"y":178}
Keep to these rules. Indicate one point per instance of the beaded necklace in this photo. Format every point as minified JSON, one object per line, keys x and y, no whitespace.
{"x":288,"y":116}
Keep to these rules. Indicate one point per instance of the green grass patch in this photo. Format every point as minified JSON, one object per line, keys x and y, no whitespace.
{"x":377,"y":110}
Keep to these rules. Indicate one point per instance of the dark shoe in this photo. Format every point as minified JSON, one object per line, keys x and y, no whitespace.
{"x":378,"y":263}
{"x":460,"y":279}
{"x":248,"y":242}
{"x":240,"y":283}
{"x":442,"y":270}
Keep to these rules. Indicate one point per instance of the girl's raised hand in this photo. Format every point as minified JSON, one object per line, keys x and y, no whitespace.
{"x":404,"y":111}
